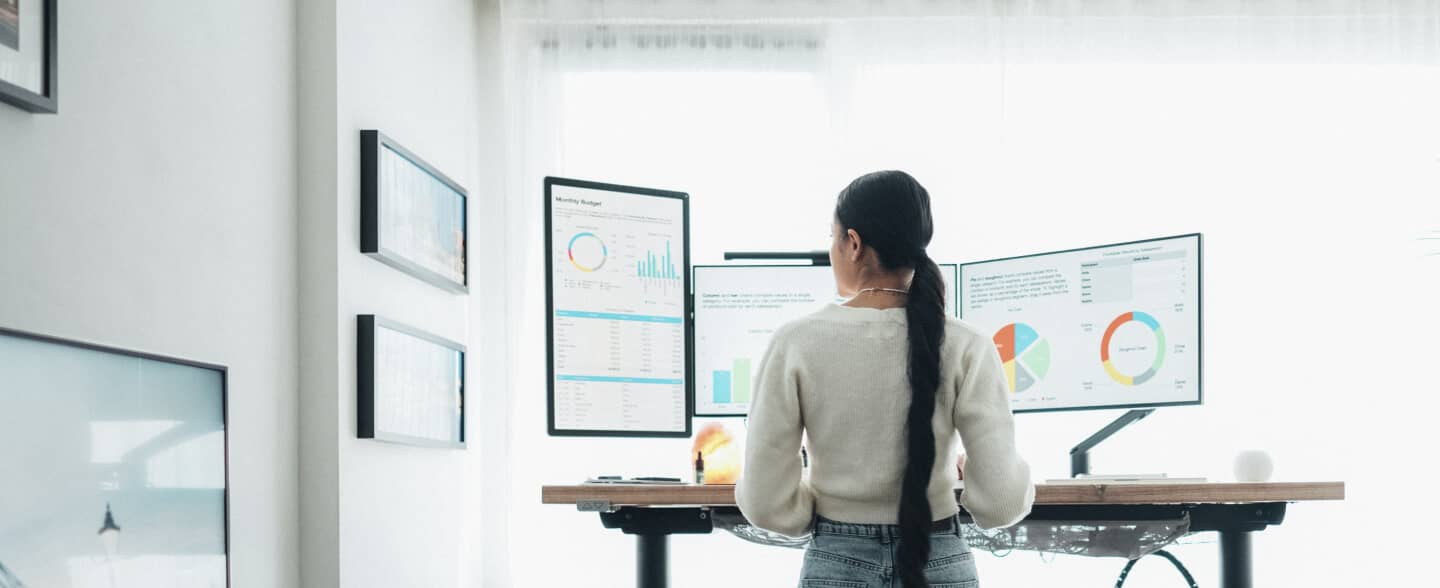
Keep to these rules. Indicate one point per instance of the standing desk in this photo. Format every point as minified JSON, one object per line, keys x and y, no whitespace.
{"x":1234,"y":510}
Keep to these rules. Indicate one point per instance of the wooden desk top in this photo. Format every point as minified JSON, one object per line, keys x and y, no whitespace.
{"x":1098,"y":493}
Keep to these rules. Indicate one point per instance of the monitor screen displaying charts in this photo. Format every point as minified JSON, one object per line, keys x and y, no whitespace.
{"x":738,"y":308}
{"x":1114,"y":326}
{"x":617,"y":261}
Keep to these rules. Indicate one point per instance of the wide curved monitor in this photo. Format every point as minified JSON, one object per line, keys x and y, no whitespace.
{"x":1113,"y":326}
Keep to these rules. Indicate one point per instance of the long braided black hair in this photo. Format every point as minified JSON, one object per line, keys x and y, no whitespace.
{"x":891,"y":211}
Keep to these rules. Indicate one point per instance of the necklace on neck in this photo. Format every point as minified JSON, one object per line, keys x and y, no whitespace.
{"x":891,"y":291}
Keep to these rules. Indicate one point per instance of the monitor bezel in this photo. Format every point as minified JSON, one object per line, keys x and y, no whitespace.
{"x":222,"y":370}
{"x":1199,"y":319}
{"x":695,"y":321}
{"x":687,"y":325}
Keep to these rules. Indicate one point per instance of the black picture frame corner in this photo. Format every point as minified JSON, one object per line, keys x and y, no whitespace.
{"x":47,"y":101}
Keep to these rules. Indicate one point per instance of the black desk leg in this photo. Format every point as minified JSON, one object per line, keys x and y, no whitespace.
{"x":652,"y":569}
{"x":652,"y":528}
{"x":1235,"y":559}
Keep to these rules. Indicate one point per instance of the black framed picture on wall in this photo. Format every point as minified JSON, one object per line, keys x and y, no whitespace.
{"x":412,"y":217}
{"x":29,"y":69}
{"x":411,"y":385}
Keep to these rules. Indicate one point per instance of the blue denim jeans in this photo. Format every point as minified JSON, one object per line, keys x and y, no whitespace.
{"x":850,"y":555}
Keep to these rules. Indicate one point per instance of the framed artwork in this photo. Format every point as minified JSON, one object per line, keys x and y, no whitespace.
{"x":412,"y":217}
{"x":115,"y":467}
{"x":411,"y":385}
{"x":29,"y":67}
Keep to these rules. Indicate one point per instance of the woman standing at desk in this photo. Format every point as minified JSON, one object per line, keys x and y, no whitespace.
{"x":880,"y":385}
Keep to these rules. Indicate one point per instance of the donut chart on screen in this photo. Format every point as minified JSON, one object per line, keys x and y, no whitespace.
{"x":1024,"y":355}
{"x":587,"y":252}
{"x":1142,"y":377}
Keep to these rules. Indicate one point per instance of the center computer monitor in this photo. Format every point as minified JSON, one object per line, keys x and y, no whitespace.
{"x":1114,"y":326}
{"x":738,"y":307}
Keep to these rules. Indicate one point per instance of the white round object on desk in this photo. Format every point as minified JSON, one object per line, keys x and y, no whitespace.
{"x":1253,"y":465}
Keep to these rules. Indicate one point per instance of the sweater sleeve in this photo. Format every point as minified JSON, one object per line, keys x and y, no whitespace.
{"x":770,"y":492}
{"x":998,"y":491}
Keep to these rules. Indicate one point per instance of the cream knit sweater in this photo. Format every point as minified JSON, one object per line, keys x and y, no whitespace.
{"x":838,"y":377}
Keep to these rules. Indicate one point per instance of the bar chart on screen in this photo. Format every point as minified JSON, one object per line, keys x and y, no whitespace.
{"x":656,"y":268}
{"x":732,"y":385}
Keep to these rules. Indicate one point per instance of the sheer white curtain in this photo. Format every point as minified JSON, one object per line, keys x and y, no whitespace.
{"x":1301,"y":136}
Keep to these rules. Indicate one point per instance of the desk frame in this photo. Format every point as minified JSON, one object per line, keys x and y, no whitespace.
{"x":1235,"y":511}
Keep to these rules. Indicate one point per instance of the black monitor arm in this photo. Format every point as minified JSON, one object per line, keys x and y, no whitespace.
{"x":1080,"y":455}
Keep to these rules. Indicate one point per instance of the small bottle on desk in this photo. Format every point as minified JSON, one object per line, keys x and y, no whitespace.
{"x":699,"y":468}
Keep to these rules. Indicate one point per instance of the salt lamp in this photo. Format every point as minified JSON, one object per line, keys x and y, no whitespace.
{"x":721,"y":453}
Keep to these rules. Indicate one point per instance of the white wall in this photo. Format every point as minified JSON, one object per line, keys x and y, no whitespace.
{"x":494,"y":251}
{"x":318,"y":286}
{"x":402,"y":516}
{"x":156,"y":212}
{"x":408,"y":70}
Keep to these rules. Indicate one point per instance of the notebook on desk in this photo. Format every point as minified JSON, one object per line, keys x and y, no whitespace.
{"x":643,"y":480}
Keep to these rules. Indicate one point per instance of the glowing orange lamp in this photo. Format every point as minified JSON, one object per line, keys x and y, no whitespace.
{"x":720,"y":452}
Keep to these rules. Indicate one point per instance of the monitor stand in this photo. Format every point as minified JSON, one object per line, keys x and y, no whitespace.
{"x":1080,"y":455}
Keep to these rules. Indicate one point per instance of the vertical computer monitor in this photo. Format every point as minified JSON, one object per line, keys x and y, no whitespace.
{"x":1113,"y":326}
{"x":617,"y":264}
{"x":738,"y":308}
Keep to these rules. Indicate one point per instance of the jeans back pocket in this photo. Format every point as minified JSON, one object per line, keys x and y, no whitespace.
{"x":821,"y":583}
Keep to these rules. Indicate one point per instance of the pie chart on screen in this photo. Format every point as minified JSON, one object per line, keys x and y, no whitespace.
{"x":1112,"y":350}
{"x":587,"y":252}
{"x":1024,"y":354}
